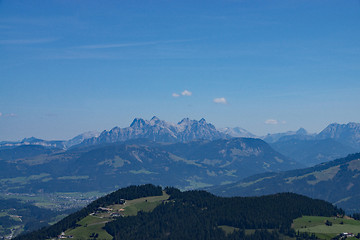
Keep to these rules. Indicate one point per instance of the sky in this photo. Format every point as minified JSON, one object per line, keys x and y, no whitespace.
{"x":68,"y":67}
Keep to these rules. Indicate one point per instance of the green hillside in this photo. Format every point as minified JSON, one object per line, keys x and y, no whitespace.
{"x":326,"y":227}
{"x":95,"y":222}
{"x":337,"y":181}
{"x":149,"y":212}
{"x":34,"y":169}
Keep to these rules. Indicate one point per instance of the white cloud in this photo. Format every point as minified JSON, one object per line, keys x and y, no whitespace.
{"x":186,"y":93}
{"x":175,"y":95}
{"x":271,"y":121}
{"x":26,"y":41}
{"x":10,"y":115}
{"x":118,"y":45}
{"x":220,"y":100}
{"x":130,"y":44}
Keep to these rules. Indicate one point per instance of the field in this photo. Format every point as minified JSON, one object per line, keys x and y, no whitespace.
{"x":56,"y":201}
{"x":316,"y":225}
{"x":228,"y":229}
{"x":94,"y":223}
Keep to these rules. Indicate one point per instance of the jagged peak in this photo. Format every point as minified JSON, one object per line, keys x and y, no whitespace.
{"x":138,"y":122}
{"x":301,"y":131}
{"x":333,"y":124}
{"x":202,"y":120}
{"x":184,"y":121}
{"x":353,"y":124}
{"x":31,"y":139}
{"x":114,"y":129}
{"x":155,"y":118}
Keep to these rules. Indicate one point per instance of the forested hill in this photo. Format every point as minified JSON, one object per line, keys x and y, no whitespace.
{"x":129,"y":193}
{"x":199,"y":215}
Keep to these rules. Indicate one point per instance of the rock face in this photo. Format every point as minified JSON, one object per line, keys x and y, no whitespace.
{"x":160,"y":131}
{"x":348,"y":134}
{"x":237,"y":132}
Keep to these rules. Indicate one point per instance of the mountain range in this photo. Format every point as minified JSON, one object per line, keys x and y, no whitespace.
{"x":335,"y":141}
{"x":346,"y":134}
{"x":50,"y":144}
{"x":301,"y":146}
{"x":160,"y":131}
{"x":195,"y":164}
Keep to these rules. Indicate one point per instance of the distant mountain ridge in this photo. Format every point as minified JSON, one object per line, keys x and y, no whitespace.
{"x":337,"y":181}
{"x":50,"y":144}
{"x":345,"y":133}
{"x":160,"y":131}
{"x":313,"y":151}
{"x":299,"y":134}
{"x":237,"y":132}
{"x":154,"y":129}
{"x":335,"y":141}
{"x":100,"y":167}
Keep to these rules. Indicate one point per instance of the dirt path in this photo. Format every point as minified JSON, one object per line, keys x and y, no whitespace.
{"x":92,"y":224}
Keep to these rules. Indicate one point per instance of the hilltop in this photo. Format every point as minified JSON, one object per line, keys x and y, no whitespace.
{"x":190,"y":215}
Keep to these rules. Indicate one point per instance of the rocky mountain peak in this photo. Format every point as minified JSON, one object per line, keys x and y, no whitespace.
{"x":237,"y":132}
{"x":154,"y":119}
{"x":31,"y":139}
{"x":345,"y":133}
{"x":353,"y":125}
{"x":184,"y":121}
{"x":161,"y":131}
{"x":138,"y":123}
{"x":202,"y":121}
{"x":301,"y":131}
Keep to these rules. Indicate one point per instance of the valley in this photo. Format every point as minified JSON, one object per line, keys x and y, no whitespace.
{"x":63,"y":179}
{"x":179,"y":120}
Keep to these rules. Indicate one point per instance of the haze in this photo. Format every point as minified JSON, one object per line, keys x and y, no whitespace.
{"x":68,"y":67}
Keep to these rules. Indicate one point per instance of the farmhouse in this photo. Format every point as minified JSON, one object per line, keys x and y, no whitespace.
{"x":63,"y":236}
{"x":105,"y":209}
{"x":345,"y":234}
{"x":116,"y":215}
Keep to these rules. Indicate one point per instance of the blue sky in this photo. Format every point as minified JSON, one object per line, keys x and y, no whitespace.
{"x":268,"y":66}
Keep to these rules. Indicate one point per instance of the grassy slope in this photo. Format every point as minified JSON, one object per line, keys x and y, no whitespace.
{"x":95,"y":223}
{"x":313,"y":224}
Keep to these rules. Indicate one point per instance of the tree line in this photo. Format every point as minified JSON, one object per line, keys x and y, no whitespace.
{"x":198,"y":215}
